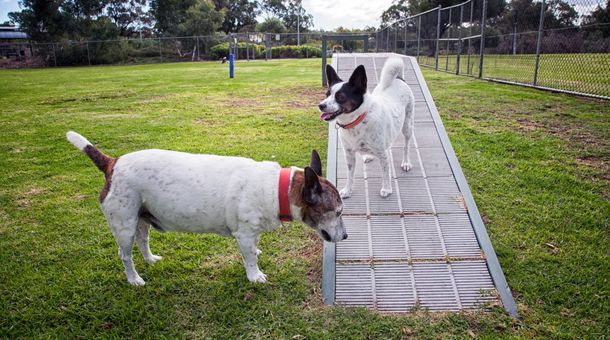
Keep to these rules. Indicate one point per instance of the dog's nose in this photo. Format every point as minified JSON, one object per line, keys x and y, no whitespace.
{"x":322,"y":107}
{"x":344,"y":236}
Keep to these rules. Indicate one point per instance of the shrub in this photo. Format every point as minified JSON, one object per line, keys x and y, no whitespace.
{"x":291,"y":51}
{"x":222,"y":50}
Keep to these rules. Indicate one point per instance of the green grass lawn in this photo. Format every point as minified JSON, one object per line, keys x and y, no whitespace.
{"x":580,"y":72}
{"x":537,"y":164}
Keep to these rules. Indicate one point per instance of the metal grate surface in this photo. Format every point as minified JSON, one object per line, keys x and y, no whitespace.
{"x":417,"y":248}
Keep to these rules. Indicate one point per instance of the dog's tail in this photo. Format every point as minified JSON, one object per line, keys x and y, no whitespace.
{"x":393,"y":68}
{"x":103,"y":162}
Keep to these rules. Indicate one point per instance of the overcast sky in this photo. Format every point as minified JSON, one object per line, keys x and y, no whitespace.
{"x":327,"y":14}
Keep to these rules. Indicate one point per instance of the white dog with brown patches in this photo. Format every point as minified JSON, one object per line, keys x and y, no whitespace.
{"x":370,"y":122}
{"x":230,"y":196}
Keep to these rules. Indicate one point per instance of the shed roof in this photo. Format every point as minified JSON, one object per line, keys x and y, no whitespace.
{"x":13,"y":35}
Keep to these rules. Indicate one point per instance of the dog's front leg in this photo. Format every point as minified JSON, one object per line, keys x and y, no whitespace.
{"x":386,"y":185}
{"x":350,"y":161}
{"x":247,"y":245}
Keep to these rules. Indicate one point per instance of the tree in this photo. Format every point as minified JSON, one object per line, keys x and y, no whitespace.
{"x":128,"y":15}
{"x":186,"y":17}
{"x":238,"y":14}
{"x":397,"y":11}
{"x":290,"y":12}
{"x":598,"y":21}
{"x":271,"y":25}
{"x":42,"y":20}
{"x":201,"y":19}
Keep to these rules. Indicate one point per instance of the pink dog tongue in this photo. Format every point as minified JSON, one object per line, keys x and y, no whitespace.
{"x":325,"y":115}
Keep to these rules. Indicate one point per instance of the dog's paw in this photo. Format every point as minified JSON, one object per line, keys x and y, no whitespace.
{"x":345,"y":192}
{"x":153,"y":259}
{"x":406,"y":166}
{"x":136,"y":280}
{"x":384,"y":192}
{"x":258,"y":277}
{"x":367,"y":158}
{"x":258,"y":251}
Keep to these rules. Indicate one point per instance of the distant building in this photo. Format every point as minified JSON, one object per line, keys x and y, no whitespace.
{"x":13,"y":43}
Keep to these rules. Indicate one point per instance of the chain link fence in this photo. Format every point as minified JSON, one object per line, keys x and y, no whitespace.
{"x":247,"y":46}
{"x":561,"y":45}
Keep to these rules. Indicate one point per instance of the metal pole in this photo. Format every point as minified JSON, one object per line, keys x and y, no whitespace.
{"x":88,"y":57}
{"x":482,"y":48}
{"x":438,"y":36}
{"x":160,"y":52}
{"x":54,"y":55}
{"x":395,"y":37}
{"x":448,"y":42}
{"x":376,"y":41}
{"x":198,"y":52}
{"x":538,"y":43}
{"x":387,"y":40}
{"x":324,"y":47}
{"x":299,"y":27}
{"x":405,"y":42}
{"x":418,"y":36}
{"x":231,"y":65}
{"x":469,"y":68}
{"x":457,"y":66}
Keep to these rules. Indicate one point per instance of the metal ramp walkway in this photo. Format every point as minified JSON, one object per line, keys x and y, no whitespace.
{"x":425,"y":246}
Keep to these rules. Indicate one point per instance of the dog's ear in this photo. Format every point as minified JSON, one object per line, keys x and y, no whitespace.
{"x":358,"y":79}
{"x":332,"y":76}
{"x":316,"y":164}
{"x":312,"y":188}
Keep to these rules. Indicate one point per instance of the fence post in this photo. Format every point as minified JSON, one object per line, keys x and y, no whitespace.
{"x":469,"y":67}
{"x":418,"y":36}
{"x":198,"y":52}
{"x":88,"y":57}
{"x":377,"y":41}
{"x":387,"y":40}
{"x":396,"y":38}
{"x":160,"y":52}
{"x":438,"y":36}
{"x":459,"y":54}
{"x":324,"y":48}
{"x":482,"y":48}
{"x":54,"y":55}
{"x":538,"y":42}
{"x":448,"y":42}
{"x":405,"y":42}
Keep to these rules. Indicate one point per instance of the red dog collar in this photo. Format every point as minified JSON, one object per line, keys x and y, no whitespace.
{"x":355,"y":122}
{"x":285,"y":215}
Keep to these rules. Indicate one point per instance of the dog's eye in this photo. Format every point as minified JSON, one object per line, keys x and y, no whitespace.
{"x":328,"y":93}
{"x":340,"y":97}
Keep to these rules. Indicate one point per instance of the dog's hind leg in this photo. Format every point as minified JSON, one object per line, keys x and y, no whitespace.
{"x":123,"y":220}
{"x":143,"y":244}
{"x":407,"y":131}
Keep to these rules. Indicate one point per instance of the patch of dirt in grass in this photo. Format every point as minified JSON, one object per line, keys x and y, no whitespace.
{"x":208,"y":122}
{"x":25,"y":198}
{"x":90,"y":97}
{"x":592,"y":149}
{"x":302,"y":97}
{"x":230,"y":101}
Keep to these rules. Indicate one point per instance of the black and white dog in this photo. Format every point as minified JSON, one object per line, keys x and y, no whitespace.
{"x":370,"y":122}
{"x":230,"y":196}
